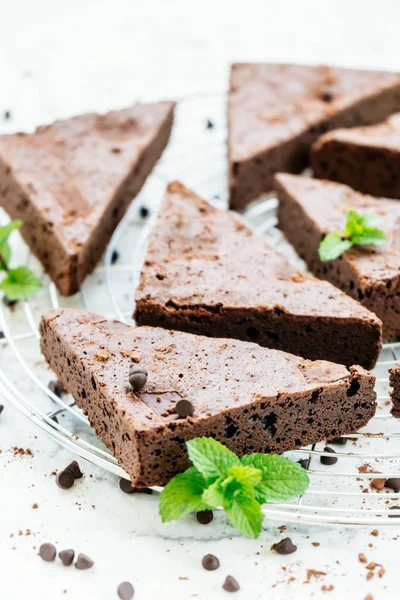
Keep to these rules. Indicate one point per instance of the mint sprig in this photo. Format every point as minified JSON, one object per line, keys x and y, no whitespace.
{"x":218,"y":478}
{"x":360,"y":230}
{"x":19,"y":283}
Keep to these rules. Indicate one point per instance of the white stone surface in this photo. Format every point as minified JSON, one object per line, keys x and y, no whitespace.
{"x":57,"y":59}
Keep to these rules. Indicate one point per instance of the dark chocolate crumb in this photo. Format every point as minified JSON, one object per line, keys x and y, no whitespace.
{"x":303,"y":462}
{"x":285,"y":546}
{"x":56,"y":387}
{"x":328,"y":460}
{"x":83,"y":562}
{"x":1,"y":408}
{"x":65,"y":479}
{"x":137,"y":377}
{"x":184,"y":408}
{"x":144,"y":212}
{"x":231,"y":585}
{"x":394,"y":516}
{"x":114,"y":257}
{"x":339,"y":441}
{"x":67,"y":557}
{"x":47,"y":552}
{"x":210,"y":562}
{"x":209,"y":124}
{"x":393,"y":483}
{"x":125,"y":591}
{"x":75,"y":469}
{"x":204,"y":517}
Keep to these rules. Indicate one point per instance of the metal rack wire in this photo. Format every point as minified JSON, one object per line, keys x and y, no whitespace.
{"x":340,"y":493}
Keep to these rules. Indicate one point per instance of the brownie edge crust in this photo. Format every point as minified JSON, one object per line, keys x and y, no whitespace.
{"x":250,"y":398}
{"x":394,"y":380}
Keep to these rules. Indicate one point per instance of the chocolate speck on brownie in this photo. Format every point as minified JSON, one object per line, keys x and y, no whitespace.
{"x":137,"y":377}
{"x":184,"y":408}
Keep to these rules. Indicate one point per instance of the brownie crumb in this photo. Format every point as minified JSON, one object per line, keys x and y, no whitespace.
{"x":362,"y":558}
{"x":374,"y":532}
{"x":377,"y":484}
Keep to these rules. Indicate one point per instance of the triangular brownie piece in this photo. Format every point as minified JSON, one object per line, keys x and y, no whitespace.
{"x":250,"y":398}
{"x":311,"y":208}
{"x":276,"y":112}
{"x":366,"y":158}
{"x":71,"y":182}
{"x":206,"y":272}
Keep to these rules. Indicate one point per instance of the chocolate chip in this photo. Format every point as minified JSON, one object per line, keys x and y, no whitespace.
{"x":142,"y":491}
{"x":114,"y":257}
{"x":67,"y":557}
{"x":144,"y":212}
{"x":75,"y":469}
{"x":339,"y":441}
{"x":204,"y":517}
{"x":184,"y":408}
{"x":328,"y":460}
{"x":137,"y":377}
{"x":209,"y":124}
{"x":303,"y":462}
{"x":47,"y":552}
{"x":285,"y":546}
{"x":65,"y":479}
{"x":394,"y":516}
{"x":9,"y":303}
{"x":54,"y":418}
{"x":56,"y":387}
{"x":7,"y":115}
{"x":126,"y":486}
{"x":1,"y":408}
{"x":125,"y":591}
{"x":393,"y":483}
{"x":84,"y":562}
{"x":210,"y":562}
{"x":231,"y":585}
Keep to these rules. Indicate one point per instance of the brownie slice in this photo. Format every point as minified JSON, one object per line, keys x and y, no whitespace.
{"x":71,"y":182}
{"x":276,"y":112}
{"x":366,"y":158}
{"x":206,"y":272}
{"x":250,"y":398}
{"x":311,"y":208}
{"x":394,"y":380}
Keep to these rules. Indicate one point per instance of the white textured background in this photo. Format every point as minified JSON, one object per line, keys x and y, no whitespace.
{"x":60,"y":58}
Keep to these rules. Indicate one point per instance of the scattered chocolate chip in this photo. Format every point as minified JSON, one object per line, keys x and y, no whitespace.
{"x":210,"y":562}
{"x":209,"y":124}
{"x":56,"y":387}
{"x":303,"y":462}
{"x":339,"y":441}
{"x":7,"y":115}
{"x":126,"y":486}
{"x":1,"y":408}
{"x":67,"y":557}
{"x":9,"y":303}
{"x":328,"y":460}
{"x":65,"y":479}
{"x":137,"y":377}
{"x":142,"y":491}
{"x":395,"y":508}
{"x":144,"y":212}
{"x":393,"y":483}
{"x":83,"y":562}
{"x":125,"y":591}
{"x":75,"y":469}
{"x":285,"y":546}
{"x":204,"y":517}
{"x":47,"y":552}
{"x":231,"y":585}
{"x":114,"y":257}
{"x":184,"y":408}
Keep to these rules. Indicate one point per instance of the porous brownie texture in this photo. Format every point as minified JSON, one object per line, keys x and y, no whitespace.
{"x":394,"y":380}
{"x":205,"y":272}
{"x":277,"y":111}
{"x":366,"y":158}
{"x":72,"y":181}
{"x":250,"y":398}
{"x":309,"y":209}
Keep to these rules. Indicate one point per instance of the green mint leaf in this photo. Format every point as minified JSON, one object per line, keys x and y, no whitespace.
{"x":332,"y":246}
{"x":246,"y":475}
{"x":281,"y":478}
{"x":214,"y":496}
{"x":211,"y":458}
{"x":245,"y":514}
{"x":371,"y":220}
{"x":369,"y":236}
{"x":182,"y":495}
{"x":5,"y":252}
{"x":354,"y":224}
{"x":6,"y":230}
{"x":20,"y":284}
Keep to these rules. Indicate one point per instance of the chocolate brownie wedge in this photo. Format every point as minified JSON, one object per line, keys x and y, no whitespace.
{"x":71,"y":182}
{"x":394,"y":380}
{"x":366,"y":158}
{"x":250,"y":398}
{"x":311,"y":208}
{"x":206,"y":272}
{"x":276,"y":112}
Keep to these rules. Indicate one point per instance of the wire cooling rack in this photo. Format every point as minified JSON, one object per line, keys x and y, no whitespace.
{"x":196,"y":155}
